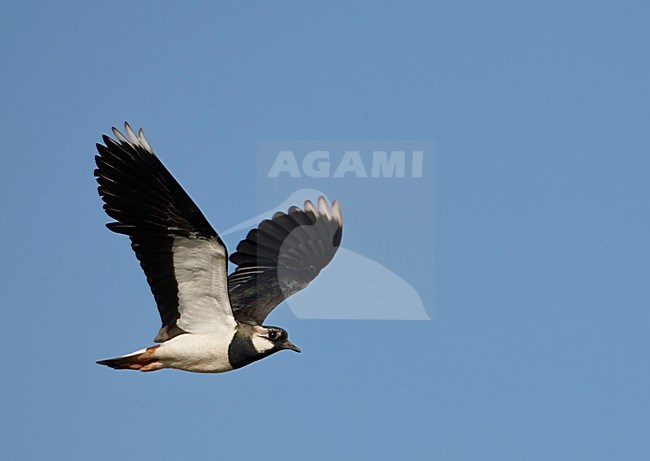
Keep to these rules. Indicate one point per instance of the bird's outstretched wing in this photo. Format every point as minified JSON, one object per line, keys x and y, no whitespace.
{"x":281,"y":256}
{"x":182,"y":256}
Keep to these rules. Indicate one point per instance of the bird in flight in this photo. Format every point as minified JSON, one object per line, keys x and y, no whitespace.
{"x":212,"y":322}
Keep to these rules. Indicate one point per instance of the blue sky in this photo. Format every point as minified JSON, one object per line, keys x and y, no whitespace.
{"x":539,"y":113}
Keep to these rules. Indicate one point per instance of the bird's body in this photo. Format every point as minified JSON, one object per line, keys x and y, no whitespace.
{"x":202,"y":353}
{"x":211,"y":321}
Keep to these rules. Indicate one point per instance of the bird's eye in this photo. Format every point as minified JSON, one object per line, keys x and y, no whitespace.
{"x":273,"y":334}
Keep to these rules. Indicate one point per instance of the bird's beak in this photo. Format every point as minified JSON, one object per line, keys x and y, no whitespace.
{"x":289,"y":345}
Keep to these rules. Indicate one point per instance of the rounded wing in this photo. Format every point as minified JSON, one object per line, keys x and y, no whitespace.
{"x":182,"y":256}
{"x":281,"y":257}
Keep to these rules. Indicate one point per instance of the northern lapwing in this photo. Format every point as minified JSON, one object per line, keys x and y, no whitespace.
{"x":211,"y":321}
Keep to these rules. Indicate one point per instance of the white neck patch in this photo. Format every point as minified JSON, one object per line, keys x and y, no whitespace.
{"x":260,"y":343}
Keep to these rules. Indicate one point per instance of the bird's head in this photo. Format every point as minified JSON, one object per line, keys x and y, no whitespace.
{"x":271,"y":339}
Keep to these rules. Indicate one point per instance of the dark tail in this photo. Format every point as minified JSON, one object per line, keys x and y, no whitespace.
{"x":141,"y":360}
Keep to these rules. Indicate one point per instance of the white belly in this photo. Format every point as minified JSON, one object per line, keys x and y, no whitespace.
{"x":199,"y":353}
